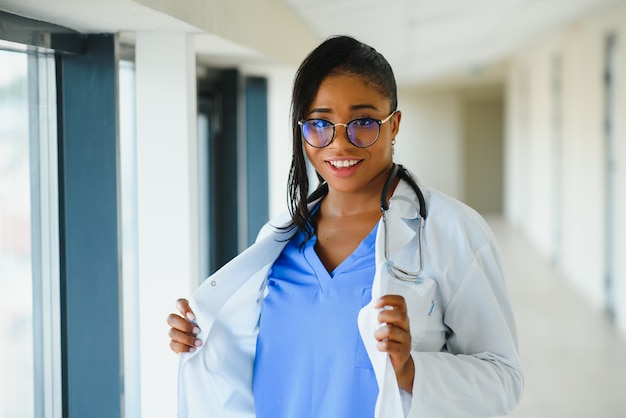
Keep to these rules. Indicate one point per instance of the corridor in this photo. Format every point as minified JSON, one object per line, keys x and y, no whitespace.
{"x":574,"y":359}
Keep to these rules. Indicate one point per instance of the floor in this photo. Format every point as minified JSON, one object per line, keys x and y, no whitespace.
{"x":574,"y":359}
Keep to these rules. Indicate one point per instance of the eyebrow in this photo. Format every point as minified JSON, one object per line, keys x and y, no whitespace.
{"x":352,"y":108}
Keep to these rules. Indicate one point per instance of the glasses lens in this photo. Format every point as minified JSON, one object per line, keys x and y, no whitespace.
{"x":317,"y":132}
{"x":363,"y":132}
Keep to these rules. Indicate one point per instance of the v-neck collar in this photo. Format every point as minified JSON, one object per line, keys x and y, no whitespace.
{"x":323,"y":275}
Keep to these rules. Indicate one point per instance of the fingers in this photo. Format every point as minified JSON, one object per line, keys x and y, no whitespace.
{"x":181,"y":324}
{"x":183,"y":331}
{"x":393,"y":311}
{"x":183,"y":307}
{"x":182,"y":342}
{"x":395,"y":318}
{"x":390,"y":337}
{"x":394,"y":301}
{"x":393,"y":336}
{"x":182,"y":334}
{"x":396,"y":342}
{"x":180,"y":348}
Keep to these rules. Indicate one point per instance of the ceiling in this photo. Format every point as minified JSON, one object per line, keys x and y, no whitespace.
{"x":424,"y":40}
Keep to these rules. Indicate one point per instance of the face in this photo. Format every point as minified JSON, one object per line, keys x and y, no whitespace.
{"x":345,"y":167}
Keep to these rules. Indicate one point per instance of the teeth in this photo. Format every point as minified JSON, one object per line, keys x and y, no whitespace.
{"x":344,"y":163}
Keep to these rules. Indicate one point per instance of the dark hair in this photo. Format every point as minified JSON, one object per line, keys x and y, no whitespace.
{"x":337,"y":55}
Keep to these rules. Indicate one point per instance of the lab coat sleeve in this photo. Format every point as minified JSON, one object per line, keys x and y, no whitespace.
{"x":479,"y":373}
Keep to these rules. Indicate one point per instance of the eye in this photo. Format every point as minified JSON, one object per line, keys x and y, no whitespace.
{"x":364,"y":122}
{"x":318,"y":123}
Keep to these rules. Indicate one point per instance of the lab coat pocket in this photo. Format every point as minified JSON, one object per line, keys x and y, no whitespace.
{"x":420,"y":302}
{"x":362,"y":360}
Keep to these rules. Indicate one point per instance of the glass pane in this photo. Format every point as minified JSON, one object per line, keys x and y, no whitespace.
{"x":16,"y":317}
{"x":128,"y":184}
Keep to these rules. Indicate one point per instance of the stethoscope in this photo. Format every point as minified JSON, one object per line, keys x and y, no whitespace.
{"x":397,"y":170}
{"x":398,"y":272}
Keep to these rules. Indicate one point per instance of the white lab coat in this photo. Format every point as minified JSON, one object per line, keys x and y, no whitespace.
{"x":464,"y":341}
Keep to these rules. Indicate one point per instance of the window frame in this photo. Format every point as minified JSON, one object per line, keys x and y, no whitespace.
{"x":78,"y":358}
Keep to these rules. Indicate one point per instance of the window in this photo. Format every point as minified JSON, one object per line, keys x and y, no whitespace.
{"x":29,"y":291}
{"x":58,"y":190}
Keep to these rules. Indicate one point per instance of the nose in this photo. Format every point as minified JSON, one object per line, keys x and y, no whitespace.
{"x":345,"y":132}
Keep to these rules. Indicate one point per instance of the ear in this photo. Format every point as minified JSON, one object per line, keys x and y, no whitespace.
{"x":395,"y":123}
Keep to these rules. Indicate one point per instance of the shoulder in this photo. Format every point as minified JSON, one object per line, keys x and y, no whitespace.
{"x":282,"y":224}
{"x":460,"y":247}
{"x":448,"y":215}
{"x":279,"y":226}
{"x":452,"y":216}
{"x":452,"y":228}
{"x":458,"y":235}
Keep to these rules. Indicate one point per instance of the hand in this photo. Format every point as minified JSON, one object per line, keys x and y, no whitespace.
{"x":394,"y":338}
{"x":183,"y":331}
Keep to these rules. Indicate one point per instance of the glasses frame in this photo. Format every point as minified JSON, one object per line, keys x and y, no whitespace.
{"x":334,"y":125}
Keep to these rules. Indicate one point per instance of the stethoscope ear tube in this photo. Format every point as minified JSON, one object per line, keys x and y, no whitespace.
{"x":396,"y":170}
{"x":384,"y":204}
{"x":392,"y":268}
{"x":406,"y":176}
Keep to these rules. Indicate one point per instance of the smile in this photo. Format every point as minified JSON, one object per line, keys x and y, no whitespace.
{"x":343,"y":163}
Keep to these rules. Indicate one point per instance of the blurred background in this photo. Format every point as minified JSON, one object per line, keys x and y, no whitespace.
{"x":144,"y":142}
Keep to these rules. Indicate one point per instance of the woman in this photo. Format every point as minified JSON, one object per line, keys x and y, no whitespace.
{"x":336,"y":312}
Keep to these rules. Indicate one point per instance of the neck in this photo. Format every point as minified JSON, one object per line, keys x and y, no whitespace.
{"x":365,"y":201}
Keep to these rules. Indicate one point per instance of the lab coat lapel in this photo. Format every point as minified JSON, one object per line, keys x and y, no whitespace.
{"x":213,"y":293}
{"x":218,"y":374}
{"x":402,"y":219}
{"x":388,"y":403}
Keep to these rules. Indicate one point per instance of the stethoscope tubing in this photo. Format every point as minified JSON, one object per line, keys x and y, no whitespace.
{"x":397,"y":272}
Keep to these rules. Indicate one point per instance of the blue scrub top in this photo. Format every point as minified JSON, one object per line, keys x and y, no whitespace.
{"x":310,"y":359}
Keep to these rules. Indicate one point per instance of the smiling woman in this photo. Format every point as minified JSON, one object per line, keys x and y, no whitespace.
{"x":338,"y":309}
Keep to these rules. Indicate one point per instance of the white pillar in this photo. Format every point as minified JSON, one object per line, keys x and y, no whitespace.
{"x":167,"y":204}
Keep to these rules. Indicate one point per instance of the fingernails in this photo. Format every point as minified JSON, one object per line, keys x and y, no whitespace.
{"x":190,"y":316}
{"x":198,"y":343}
{"x":195,"y":330}
{"x":192,"y":349}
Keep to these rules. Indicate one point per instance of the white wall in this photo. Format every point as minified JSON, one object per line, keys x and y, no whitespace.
{"x":451,"y":137}
{"x":530,"y":199}
{"x":483,"y":134}
{"x":167,"y":206}
{"x":430,"y":142}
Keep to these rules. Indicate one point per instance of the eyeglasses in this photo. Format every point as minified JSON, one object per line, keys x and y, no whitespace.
{"x":362,"y":132}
